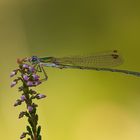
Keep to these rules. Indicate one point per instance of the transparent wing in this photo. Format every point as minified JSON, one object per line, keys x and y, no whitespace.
{"x":105,"y":59}
{"x":99,"y":62}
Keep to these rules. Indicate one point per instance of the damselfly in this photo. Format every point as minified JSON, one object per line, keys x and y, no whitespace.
{"x":99,"y":62}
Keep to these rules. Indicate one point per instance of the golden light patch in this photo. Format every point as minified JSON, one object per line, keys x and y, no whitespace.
{"x":106,"y":122}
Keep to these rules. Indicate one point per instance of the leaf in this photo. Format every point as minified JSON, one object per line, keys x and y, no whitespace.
{"x":39,"y":137}
{"x":30,"y":131}
{"x":36,"y":117}
{"x":30,"y":122}
{"x":38,"y":130}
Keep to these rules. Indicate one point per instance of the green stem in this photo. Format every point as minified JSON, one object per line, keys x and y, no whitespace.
{"x":32,"y":114}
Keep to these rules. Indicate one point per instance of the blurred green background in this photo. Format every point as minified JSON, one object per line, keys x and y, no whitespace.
{"x":81,"y":105}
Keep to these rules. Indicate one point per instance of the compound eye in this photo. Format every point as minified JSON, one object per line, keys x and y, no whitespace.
{"x":34,"y":59}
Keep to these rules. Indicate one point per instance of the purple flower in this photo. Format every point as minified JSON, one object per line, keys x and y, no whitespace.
{"x":30,"y":108}
{"x":23,"y":98}
{"x":31,"y":69}
{"x":26,"y":66}
{"x":13,"y":73}
{"x":35,"y":77}
{"x":40,"y":96}
{"x":30,"y":83}
{"x":25,"y":77}
{"x":13,"y":83}
{"x":28,"y":78}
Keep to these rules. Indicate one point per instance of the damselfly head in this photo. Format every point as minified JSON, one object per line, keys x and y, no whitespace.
{"x":34,"y":60}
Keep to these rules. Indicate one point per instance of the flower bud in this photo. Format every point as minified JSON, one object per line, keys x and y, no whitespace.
{"x":26,"y":66}
{"x":23,"y":98}
{"x":40,"y":96}
{"x":13,"y":83}
{"x":31,"y":69}
{"x":22,"y":114}
{"x":30,"y":108}
{"x":25,"y":77}
{"x":18,"y":102}
{"x":35,"y":77}
{"x":32,"y":91}
{"x":30,"y":83}
{"x":13,"y":73}
{"x":37,"y":83}
{"x":23,"y":135}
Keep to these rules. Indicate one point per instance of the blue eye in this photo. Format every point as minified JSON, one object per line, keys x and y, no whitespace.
{"x":34,"y":59}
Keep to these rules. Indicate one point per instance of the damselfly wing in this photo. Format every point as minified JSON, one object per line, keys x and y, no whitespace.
{"x":99,"y":61}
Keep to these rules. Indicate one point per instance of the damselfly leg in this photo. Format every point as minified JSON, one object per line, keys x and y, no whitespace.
{"x":41,"y":69}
